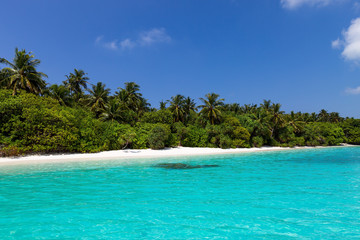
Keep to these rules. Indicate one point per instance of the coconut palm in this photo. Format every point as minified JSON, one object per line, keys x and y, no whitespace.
{"x":259,"y":124}
{"x":177,"y":107}
{"x":334,"y":117}
{"x":21,"y":74}
{"x":276,"y":118}
{"x":266,"y":105}
{"x":60,"y":93}
{"x":98,"y":97}
{"x":163,"y":105}
{"x":323,"y":116}
{"x":130,"y":96}
{"x":249,"y":108}
{"x":113,"y":111}
{"x":211,"y":107}
{"x":234,"y":107}
{"x":76,"y":82}
{"x":294,"y":121}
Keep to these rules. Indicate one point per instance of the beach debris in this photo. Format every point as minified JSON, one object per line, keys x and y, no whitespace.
{"x":182,"y":166}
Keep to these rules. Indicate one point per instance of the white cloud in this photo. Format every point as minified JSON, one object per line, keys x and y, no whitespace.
{"x":155,"y":35}
{"x":350,"y":42}
{"x":127,"y":44}
{"x":145,"y":38}
{"x":292,"y":4}
{"x":113,"y":45}
{"x":99,"y":39}
{"x":336,"y":43}
{"x":353,"y":91}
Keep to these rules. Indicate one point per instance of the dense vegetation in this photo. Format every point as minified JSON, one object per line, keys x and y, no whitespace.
{"x":77,"y":116}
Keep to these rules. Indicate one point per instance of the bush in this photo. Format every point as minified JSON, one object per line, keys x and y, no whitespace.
{"x":323,"y":133}
{"x":117,"y":136}
{"x":158,"y":137}
{"x":225,"y":142}
{"x":161,"y":116}
{"x":10,"y":151}
{"x":257,"y":141}
{"x":195,"y":137}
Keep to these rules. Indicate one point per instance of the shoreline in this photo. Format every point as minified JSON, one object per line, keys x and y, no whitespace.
{"x":128,"y":154}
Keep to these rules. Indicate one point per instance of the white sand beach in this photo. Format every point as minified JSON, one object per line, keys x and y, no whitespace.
{"x":122,"y":155}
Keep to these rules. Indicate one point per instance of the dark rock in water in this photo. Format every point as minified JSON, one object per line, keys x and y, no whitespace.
{"x":182,"y":166}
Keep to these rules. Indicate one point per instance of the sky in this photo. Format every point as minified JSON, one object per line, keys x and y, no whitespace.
{"x":304,"y":54}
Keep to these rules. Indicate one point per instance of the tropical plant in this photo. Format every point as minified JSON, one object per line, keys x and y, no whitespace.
{"x":21,"y":74}
{"x":163,"y":105}
{"x":98,"y":97}
{"x":266,"y":105}
{"x":177,"y":107}
{"x":276,"y":118}
{"x":113,"y":111}
{"x":60,"y":93}
{"x":211,"y":109}
{"x":76,"y":82}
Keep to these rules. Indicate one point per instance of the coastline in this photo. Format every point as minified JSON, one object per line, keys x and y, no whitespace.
{"x":122,"y":155}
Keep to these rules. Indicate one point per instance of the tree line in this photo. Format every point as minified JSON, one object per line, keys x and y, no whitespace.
{"x":77,"y":116}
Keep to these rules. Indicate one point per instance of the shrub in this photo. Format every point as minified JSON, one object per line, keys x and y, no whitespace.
{"x":10,"y":151}
{"x":257,"y":141}
{"x":158,"y":137}
{"x":195,"y":137}
{"x":161,"y":116}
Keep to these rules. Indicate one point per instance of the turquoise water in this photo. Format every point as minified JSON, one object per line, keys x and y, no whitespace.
{"x":296,"y":194}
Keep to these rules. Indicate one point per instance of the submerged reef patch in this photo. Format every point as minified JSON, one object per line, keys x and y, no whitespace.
{"x":182,"y":166}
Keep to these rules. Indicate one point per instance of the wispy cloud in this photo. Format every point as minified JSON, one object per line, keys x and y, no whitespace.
{"x":353,"y":91}
{"x":155,"y":35}
{"x":127,"y":44}
{"x":350,"y":42}
{"x":336,"y":44}
{"x":144,"y":38}
{"x":293,"y":4}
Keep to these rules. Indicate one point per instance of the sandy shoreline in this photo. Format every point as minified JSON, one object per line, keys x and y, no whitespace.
{"x":122,"y":155}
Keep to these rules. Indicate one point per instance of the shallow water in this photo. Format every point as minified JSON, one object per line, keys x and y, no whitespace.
{"x":296,"y":194}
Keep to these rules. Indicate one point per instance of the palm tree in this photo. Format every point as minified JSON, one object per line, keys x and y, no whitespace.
{"x":75,"y":82}
{"x":211,"y":107}
{"x":234,"y":107}
{"x":113,"y":111}
{"x":295,"y":122}
{"x":276,"y":118}
{"x":249,"y":108}
{"x":323,"y":116}
{"x":60,"y":93}
{"x":266,"y":105}
{"x":177,"y":107}
{"x":313,"y":117}
{"x":131,"y":96}
{"x":189,"y":105}
{"x":259,"y":124}
{"x":163,"y":105}
{"x":334,"y":117}
{"x":22,"y":73}
{"x":98,"y":97}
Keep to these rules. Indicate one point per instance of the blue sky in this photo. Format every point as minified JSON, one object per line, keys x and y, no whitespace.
{"x":304,"y":54}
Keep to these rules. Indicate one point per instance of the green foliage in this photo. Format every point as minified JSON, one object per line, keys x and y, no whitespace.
{"x":194,"y":137}
{"x":117,"y":136}
{"x":323,"y":133}
{"x":257,"y":141}
{"x":351,"y":129}
{"x":36,"y":123}
{"x":159,"y":136}
{"x":161,"y":116}
{"x":21,"y":74}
